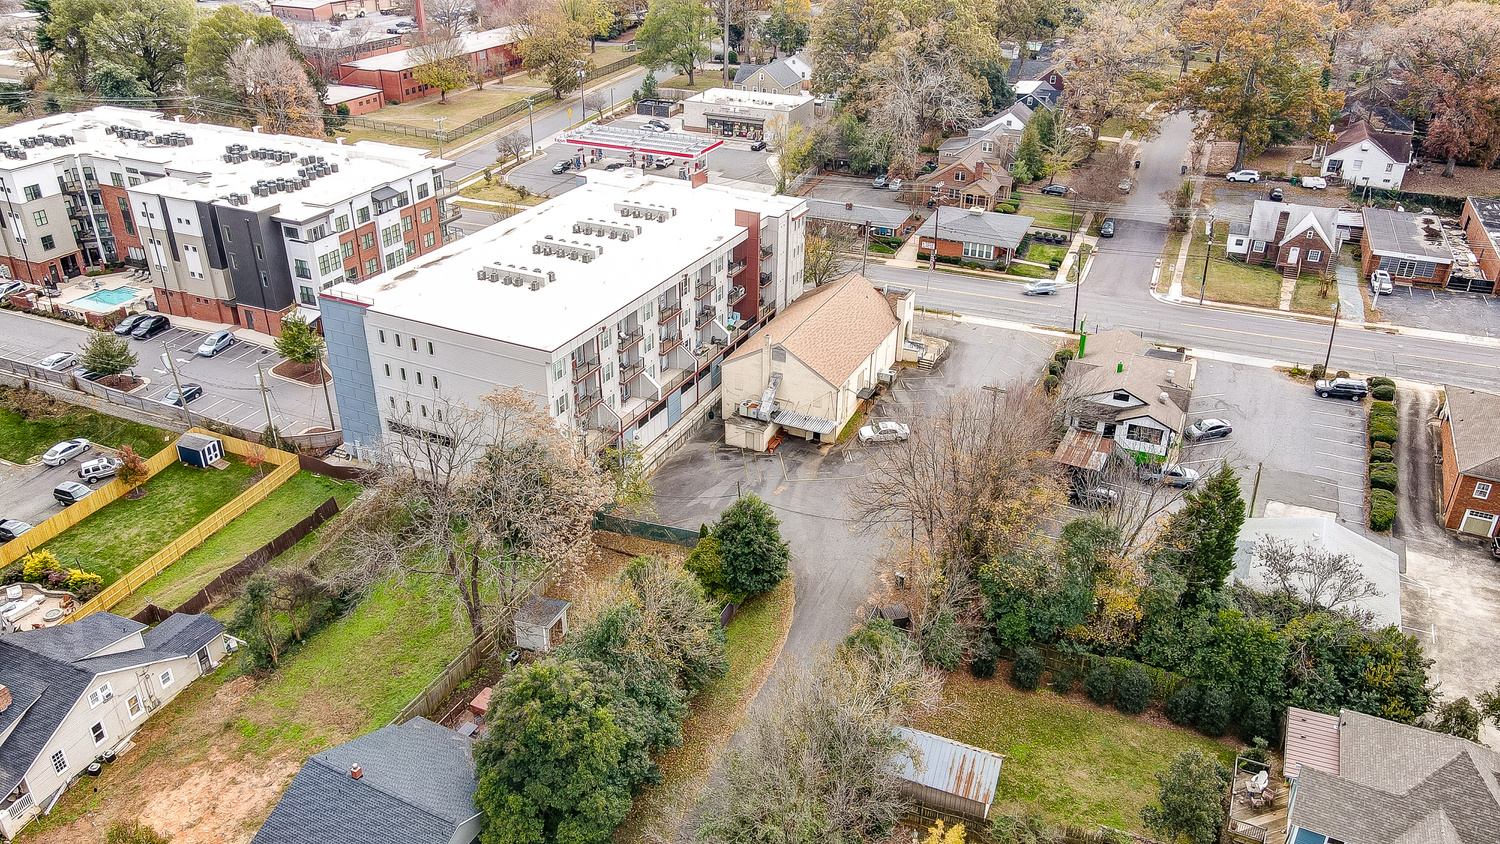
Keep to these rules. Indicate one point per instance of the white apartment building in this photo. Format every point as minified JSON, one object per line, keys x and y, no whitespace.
{"x":235,"y":226}
{"x":613,"y":304}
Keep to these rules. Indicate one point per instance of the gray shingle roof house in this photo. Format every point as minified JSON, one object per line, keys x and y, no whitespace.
{"x":1392,"y":784}
{"x":403,"y":784}
{"x":973,"y":234}
{"x":1127,"y":391}
{"x":70,"y":693}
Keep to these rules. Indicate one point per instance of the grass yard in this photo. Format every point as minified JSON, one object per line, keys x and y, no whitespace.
{"x":1044,"y":253}
{"x":1030,"y":272}
{"x":755,"y":638}
{"x":1075,"y":763}
{"x":24,"y":440}
{"x":500,"y":192}
{"x":210,"y":765}
{"x":1306,"y":297}
{"x":288,"y":505}
{"x":1169,"y":260}
{"x":1112,"y":128}
{"x":126,"y":533}
{"x":461,"y":107}
{"x":1049,"y":212}
{"x":354,"y":134}
{"x":1234,"y":282}
{"x":702,"y":81}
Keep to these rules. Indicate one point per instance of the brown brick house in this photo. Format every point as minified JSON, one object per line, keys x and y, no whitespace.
{"x":1471,"y":461}
{"x":1292,"y":238}
{"x":972,"y":235}
{"x":974,"y":178}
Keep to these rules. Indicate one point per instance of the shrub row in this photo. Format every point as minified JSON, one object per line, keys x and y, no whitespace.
{"x":1384,"y":428}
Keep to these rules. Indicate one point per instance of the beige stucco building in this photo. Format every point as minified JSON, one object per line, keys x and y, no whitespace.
{"x":809,"y":369}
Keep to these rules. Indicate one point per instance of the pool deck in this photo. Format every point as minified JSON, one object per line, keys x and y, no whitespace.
{"x":75,"y":293}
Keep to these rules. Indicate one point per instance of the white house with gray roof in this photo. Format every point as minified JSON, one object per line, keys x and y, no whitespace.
{"x":71,"y":693}
{"x":882,"y":220}
{"x":791,"y":75}
{"x":411,"y":783}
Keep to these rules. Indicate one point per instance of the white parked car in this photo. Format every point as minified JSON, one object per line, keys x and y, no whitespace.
{"x":1314,"y":182}
{"x":1380,"y":282}
{"x":60,"y":362}
{"x":1251,"y":176}
{"x":65,"y":451}
{"x":884,"y":432}
{"x":897,"y":183}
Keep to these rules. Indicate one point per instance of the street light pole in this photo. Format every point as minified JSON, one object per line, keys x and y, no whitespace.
{"x":166,"y":357}
{"x":864,"y":261}
{"x":530,"y":123}
{"x":1329,"y":357}
{"x":1203,"y":287}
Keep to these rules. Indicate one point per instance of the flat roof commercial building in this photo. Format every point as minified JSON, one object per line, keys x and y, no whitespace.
{"x":1413,"y":248}
{"x":611,"y":304}
{"x":743,"y":114}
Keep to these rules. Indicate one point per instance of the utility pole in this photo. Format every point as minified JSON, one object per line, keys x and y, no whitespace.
{"x":725,"y":54}
{"x":260,"y":381}
{"x":440,"y":133}
{"x":166,"y":358}
{"x":1255,"y":490}
{"x":864,"y":261}
{"x":530,"y":124}
{"x":1329,"y":357}
{"x":1203,"y":286}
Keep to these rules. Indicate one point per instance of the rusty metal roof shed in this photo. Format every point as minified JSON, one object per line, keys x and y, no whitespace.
{"x":951,"y":767}
{"x":1084,"y":449}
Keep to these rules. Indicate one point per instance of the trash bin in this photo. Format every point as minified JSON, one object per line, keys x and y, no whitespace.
{"x":1184,"y":169}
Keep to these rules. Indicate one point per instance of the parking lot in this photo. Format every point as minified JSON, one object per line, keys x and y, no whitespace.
{"x":1440,"y":310}
{"x":857,"y":189}
{"x":26,"y":491}
{"x":1309,"y":452}
{"x":230,"y":393}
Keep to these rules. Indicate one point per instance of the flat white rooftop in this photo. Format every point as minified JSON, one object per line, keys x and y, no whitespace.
{"x":198,"y":171}
{"x":730,"y":98}
{"x":344,"y":93}
{"x":449,"y":288}
{"x":681,"y":144}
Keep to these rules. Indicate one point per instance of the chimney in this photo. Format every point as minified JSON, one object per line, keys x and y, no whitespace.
{"x":355,"y":772}
{"x":4,"y":698}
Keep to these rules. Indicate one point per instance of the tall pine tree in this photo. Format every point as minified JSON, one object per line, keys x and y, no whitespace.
{"x":1199,"y":540}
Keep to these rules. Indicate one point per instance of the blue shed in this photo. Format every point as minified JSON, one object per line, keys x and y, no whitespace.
{"x":199,"y":450}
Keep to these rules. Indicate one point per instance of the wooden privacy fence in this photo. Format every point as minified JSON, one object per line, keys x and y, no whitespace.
{"x":286,"y":466}
{"x":445,"y":682}
{"x":75,"y":513}
{"x":241,"y":571}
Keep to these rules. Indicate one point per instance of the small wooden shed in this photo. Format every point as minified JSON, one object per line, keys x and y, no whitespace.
{"x":949,"y":776}
{"x":199,"y":450}
{"x":541,"y":623}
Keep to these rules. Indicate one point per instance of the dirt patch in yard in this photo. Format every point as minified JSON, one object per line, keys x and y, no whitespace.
{"x":307,"y":373}
{"x":123,"y":383}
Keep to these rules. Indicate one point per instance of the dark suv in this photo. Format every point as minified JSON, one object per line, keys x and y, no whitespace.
{"x":1342,"y":388}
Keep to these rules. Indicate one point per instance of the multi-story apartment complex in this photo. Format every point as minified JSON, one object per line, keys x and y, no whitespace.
{"x":611,"y":304}
{"x":235,"y":226}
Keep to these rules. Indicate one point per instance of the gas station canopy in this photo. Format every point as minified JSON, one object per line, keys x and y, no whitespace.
{"x":640,"y":141}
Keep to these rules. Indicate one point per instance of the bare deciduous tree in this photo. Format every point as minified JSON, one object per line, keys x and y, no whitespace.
{"x":273,"y":84}
{"x":510,"y":505}
{"x":917,"y":88}
{"x":1313,"y":573}
{"x":512,"y":144}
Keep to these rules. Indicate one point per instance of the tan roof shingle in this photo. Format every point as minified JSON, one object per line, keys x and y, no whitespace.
{"x":831,"y":329}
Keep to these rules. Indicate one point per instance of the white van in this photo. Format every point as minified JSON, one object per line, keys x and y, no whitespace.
{"x":1380,"y":282}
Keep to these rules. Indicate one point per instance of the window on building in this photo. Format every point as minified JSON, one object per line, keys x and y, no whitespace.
{"x":407,"y":223}
{"x":48,"y":241}
{"x":422,"y":191}
{"x":983,"y":251}
{"x":395,"y":259}
{"x":372,"y":266}
{"x":363,"y":214}
{"x":1257,"y":246}
{"x":227,"y":238}
{"x":367,"y":240}
{"x":561,"y":404}
{"x":403,"y":200}
{"x":300,"y":267}
{"x":609,"y":372}
{"x":1314,"y":255}
{"x":557,"y":370}
{"x":97,"y":731}
{"x":387,"y":368}
{"x":393,"y":402}
{"x":134,"y":180}
{"x":341,"y":223}
{"x":1121,"y":396}
{"x":389,"y":235}
{"x":100,"y":695}
{"x":39,"y":217}
{"x":434,"y":386}
{"x":291,"y":232}
{"x":431,"y":350}
{"x":117,"y":180}
{"x":347,"y":249}
{"x":307,"y":295}
{"x":328,"y":263}
{"x":165,"y":678}
{"x":1482,"y":490}
{"x":1358,"y":163}
{"x":32,"y":192}
{"x":1143,"y":434}
{"x":381,"y":332}
{"x":428,"y":240}
{"x":59,"y":762}
{"x":426,"y":215}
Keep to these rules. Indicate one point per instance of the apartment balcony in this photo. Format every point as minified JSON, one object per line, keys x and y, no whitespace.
{"x":626,"y":340}
{"x":704,"y":317}
{"x":670,"y":343}
{"x":448,"y":211}
{"x":586,"y":403}
{"x":581,"y":371}
{"x":72,"y":185}
{"x":735,"y":295}
{"x":629,"y":371}
{"x":447,"y":190}
{"x":79,"y":212}
{"x":669,"y":315}
{"x":736,"y":269}
{"x":703,"y":289}
{"x":765,"y":251}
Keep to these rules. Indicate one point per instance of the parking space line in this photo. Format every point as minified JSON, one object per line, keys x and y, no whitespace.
{"x":1325,"y":498}
{"x":1335,"y":442}
{"x":1331,"y":427}
{"x":1331,"y":413}
{"x":1341,"y":471}
{"x":1359,"y":459}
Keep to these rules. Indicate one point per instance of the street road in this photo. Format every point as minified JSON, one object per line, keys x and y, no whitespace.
{"x":228,"y":379}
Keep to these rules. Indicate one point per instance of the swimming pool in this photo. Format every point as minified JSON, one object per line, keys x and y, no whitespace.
{"x":107,"y":299}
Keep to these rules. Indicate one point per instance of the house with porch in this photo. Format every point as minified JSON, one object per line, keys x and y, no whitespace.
{"x":1123,"y":393}
{"x":1362,"y":155}
{"x":972,"y":235}
{"x":1359,"y":779}
{"x":1470,"y":455}
{"x":1292,"y":238}
{"x":880,"y":220}
{"x":971,"y":173}
{"x":816,"y":363}
{"x":791,"y":75}
{"x":70,"y":694}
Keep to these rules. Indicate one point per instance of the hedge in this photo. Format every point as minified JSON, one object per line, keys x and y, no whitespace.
{"x":1214,"y":711}
{"x":1382,"y":409}
{"x":1133,"y":692}
{"x":1382,"y":509}
{"x":1099,"y":684}
{"x":1026,"y":669}
{"x":1182,"y":706}
{"x":1384,"y":392}
{"x":1380,"y":381}
{"x":1383,"y":476}
{"x":1382,"y":431}
{"x":1382,"y":454}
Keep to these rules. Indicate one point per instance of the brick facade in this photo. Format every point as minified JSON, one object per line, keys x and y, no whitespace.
{"x":1458,"y":488}
{"x":1485,"y":245}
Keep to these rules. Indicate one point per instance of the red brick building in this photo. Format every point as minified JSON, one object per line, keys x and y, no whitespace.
{"x":1481,"y":225}
{"x":492,"y":53}
{"x":1292,"y":238}
{"x":972,"y":235}
{"x":327,"y":10}
{"x":1411,"y":247}
{"x":1471,"y":461}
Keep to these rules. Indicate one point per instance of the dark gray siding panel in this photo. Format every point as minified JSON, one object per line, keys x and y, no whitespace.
{"x":353,"y":380}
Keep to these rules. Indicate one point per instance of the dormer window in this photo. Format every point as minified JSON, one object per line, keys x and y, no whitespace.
{"x":1121,"y":396}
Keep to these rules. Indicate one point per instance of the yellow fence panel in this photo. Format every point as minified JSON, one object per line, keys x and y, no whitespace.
{"x":286,"y":466}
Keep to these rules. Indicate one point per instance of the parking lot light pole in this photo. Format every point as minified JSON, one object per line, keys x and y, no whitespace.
{"x":1329,"y":357}
{"x":166,"y":357}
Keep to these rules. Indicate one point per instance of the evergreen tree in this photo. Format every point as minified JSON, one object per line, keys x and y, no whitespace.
{"x":1199,"y":540}
{"x":1189,"y":799}
{"x":107,"y":353}
{"x":754,"y":555}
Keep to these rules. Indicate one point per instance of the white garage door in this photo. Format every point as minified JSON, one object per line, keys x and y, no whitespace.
{"x":1480,"y":524}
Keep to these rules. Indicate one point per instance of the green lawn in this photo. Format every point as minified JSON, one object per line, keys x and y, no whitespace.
{"x":1043,"y":253}
{"x":1229,"y":281}
{"x":755,"y":635}
{"x":288,"y":505}
{"x":702,"y":81}
{"x":1306,"y":297}
{"x":1169,"y":260}
{"x":1049,"y":211}
{"x":354,"y":134}
{"x":461,"y":107}
{"x":1073,"y":762}
{"x":23,"y":440}
{"x":498,"y":191}
{"x":350,"y":678}
{"x":1112,"y":128}
{"x":1030,"y":271}
{"x":126,"y":533}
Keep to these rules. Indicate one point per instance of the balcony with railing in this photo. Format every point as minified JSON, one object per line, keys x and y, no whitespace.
{"x":629,"y":371}
{"x":735,"y":295}
{"x":670,"y":343}
{"x":735,"y":268}
{"x":72,"y":185}
{"x":449,"y":211}
{"x":1258,"y":804}
{"x":585,"y":403}
{"x":703,"y":289}
{"x":766,"y":250}
{"x":626,"y":340}
{"x":704,"y":317}
{"x":448,"y":189}
{"x":583,"y":369}
{"x":669,"y":315}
